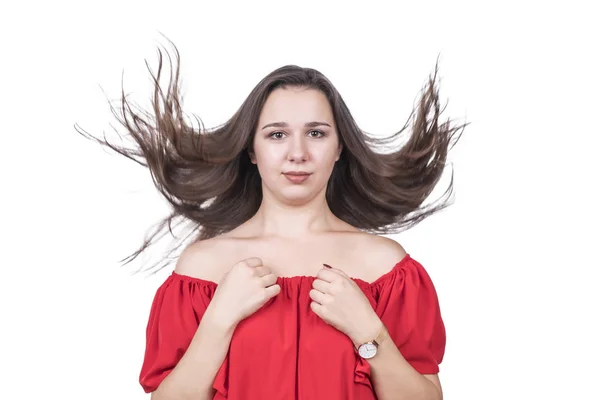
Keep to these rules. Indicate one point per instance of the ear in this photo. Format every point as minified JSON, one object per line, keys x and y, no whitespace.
{"x":252,"y":156}
{"x":339,"y":152}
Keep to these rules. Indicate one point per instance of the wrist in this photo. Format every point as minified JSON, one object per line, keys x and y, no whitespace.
{"x":369,"y":332}
{"x":217,"y":320}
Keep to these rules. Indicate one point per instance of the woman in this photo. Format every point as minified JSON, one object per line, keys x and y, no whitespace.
{"x":287,"y":291}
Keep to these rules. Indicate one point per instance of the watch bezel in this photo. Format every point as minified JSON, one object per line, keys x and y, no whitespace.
{"x":364,"y":346}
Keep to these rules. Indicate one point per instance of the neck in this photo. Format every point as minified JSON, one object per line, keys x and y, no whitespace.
{"x":284,"y":220}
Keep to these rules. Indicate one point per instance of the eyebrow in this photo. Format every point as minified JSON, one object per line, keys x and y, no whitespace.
{"x":285,"y":125}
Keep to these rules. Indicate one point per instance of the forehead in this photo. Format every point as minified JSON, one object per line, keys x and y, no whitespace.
{"x":296,"y":105}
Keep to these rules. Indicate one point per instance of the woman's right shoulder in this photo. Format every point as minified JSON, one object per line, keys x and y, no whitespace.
{"x":205,"y":259}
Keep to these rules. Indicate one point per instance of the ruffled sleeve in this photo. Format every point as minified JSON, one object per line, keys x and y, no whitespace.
{"x":175,"y":314}
{"x":407,"y":304}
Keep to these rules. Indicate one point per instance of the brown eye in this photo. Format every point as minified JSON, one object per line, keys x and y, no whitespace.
{"x":318,"y":134}
{"x":276,"y":135}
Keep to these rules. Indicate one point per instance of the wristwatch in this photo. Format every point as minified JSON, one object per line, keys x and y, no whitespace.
{"x":368,"y":350}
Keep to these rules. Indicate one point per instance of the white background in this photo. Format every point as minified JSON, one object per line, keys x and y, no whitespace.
{"x":514,"y":259}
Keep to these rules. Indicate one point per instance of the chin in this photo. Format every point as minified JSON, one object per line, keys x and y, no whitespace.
{"x":293,"y":195}
{"x":295,"y":200}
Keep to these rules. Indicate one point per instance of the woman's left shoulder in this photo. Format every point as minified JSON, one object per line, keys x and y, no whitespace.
{"x":380,"y":253}
{"x":384,"y":245}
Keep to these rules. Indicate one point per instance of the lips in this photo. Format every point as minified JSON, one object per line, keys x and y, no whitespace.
{"x":296,"y":173}
{"x":296,"y":177}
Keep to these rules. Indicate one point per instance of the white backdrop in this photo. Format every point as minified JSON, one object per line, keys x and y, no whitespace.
{"x":514,"y":259}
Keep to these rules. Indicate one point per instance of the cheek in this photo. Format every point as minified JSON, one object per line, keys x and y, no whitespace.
{"x":326,"y":156}
{"x":268,"y":160}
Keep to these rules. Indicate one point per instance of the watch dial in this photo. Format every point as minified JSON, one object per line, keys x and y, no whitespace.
{"x":367,"y":350}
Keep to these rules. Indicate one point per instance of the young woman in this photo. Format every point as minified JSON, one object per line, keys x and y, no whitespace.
{"x":287,"y":291}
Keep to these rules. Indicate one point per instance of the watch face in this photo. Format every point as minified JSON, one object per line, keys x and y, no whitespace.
{"x":367,"y":350}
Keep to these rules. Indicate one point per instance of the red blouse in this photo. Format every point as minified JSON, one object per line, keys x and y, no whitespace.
{"x":284,"y":350}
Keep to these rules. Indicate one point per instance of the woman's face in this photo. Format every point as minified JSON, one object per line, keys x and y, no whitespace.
{"x":296,"y":134}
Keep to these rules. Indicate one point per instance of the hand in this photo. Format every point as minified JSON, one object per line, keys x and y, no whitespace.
{"x":243,"y":290}
{"x":339,"y":301}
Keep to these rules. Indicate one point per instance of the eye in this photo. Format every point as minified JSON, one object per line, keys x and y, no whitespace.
{"x":276,"y":135}
{"x":318,"y":134}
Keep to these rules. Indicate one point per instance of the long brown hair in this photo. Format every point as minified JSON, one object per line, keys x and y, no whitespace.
{"x":208,"y":179}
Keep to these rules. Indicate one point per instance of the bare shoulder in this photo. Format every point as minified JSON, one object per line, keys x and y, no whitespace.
{"x":205,"y":259}
{"x":380,"y":254}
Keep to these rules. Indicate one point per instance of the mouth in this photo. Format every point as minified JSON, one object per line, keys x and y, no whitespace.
{"x":297,"y":177}
{"x":296,"y":173}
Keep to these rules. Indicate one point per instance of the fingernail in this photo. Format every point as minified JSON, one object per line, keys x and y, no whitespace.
{"x":328,"y":266}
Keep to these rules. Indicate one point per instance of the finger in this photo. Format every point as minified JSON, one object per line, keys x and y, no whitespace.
{"x":272,"y":291}
{"x":268,"y":280}
{"x":327,"y":275}
{"x":339,"y":272}
{"x":336,"y":270}
{"x":262,"y":271}
{"x":317,"y":309}
{"x":252,"y":262}
{"x":321,"y":286}
{"x":319,"y":297}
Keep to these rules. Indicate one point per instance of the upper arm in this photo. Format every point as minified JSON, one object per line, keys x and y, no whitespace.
{"x":411,"y":312}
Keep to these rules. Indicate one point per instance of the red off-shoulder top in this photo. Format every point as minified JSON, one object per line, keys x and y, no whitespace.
{"x":284,"y":350}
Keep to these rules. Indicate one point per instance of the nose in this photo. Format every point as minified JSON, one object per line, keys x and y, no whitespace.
{"x":298,"y":151}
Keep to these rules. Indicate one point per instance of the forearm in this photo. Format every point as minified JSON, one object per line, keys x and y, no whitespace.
{"x":193,"y":377}
{"x":395,"y":379}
